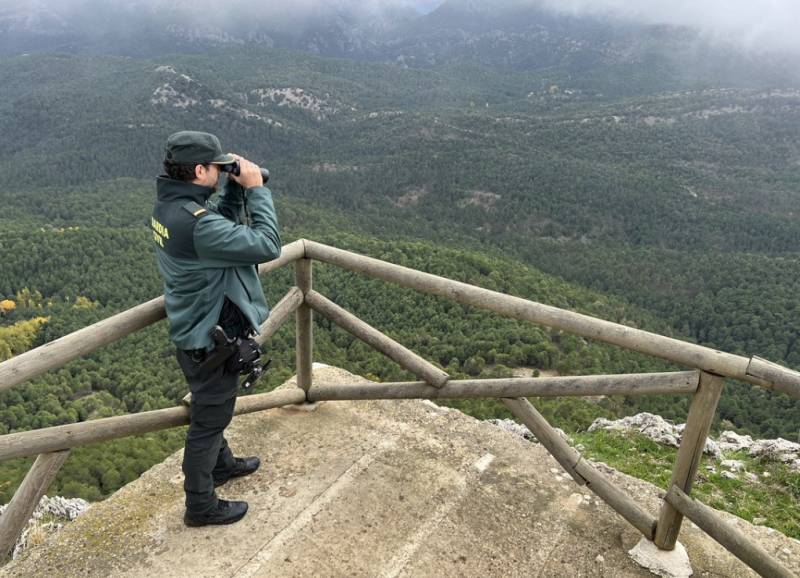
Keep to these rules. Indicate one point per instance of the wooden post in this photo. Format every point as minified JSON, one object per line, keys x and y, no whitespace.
{"x":735,"y":541}
{"x":26,"y":498}
{"x":406,"y":358}
{"x":693,"y":441}
{"x":304,"y":339}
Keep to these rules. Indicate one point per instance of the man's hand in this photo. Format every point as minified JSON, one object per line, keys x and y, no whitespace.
{"x":249,"y":174}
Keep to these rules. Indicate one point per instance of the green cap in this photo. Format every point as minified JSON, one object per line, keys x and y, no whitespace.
{"x":189,"y":147}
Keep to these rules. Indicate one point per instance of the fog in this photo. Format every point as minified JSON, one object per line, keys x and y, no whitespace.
{"x":756,"y":25}
{"x":766,"y":25}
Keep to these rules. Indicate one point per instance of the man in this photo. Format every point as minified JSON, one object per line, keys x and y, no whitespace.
{"x":207,"y":253}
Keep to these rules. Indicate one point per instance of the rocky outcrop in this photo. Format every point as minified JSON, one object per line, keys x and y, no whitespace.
{"x":661,"y":431}
{"x":654,"y":427}
{"x":49,"y":516}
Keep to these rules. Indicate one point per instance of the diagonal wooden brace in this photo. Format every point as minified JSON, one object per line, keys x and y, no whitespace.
{"x":404,"y":357}
{"x":279,"y":314}
{"x":734,"y":540}
{"x":581,"y":471}
{"x":547,"y":435}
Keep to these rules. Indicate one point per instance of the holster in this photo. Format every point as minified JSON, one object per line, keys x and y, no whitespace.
{"x":239,"y":354}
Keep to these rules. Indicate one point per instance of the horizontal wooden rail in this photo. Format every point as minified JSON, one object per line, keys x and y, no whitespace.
{"x":775,"y":374}
{"x":682,"y":382}
{"x":55,"y":354}
{"x":63,"y":437}
{"x":289,"y":254}
{"x":735,"y":541}
{"x":689,"y":354}
{"x":403,"y":356}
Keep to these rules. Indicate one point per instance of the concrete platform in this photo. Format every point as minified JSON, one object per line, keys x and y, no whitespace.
{"x":395,"y":488}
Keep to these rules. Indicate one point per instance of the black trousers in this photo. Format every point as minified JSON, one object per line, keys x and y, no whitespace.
{"x":206,"y":454}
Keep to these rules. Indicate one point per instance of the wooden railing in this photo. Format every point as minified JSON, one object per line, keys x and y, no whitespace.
{"x":705,"y":383}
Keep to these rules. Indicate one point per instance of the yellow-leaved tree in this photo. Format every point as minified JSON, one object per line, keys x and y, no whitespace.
{"x":19,"y":337}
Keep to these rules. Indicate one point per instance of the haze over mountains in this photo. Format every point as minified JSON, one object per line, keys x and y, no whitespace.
{"x":513,"y":34}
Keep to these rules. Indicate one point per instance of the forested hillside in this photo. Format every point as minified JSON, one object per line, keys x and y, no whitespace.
{"x":672,"y":210}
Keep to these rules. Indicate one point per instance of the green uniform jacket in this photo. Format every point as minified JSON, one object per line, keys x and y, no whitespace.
{"x":205,"y":252}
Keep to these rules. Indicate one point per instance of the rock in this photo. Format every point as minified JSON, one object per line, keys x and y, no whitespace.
{"x":729,"y":475}
{"x":730,"y":441}
{"x":751,"y":477}
{"x":434,"y":406}
{"x":778,"y":450}
{"x":654,"y":427}
{"x":661,"y":431}
{"x":666,"y":563}
{"x":563,"y":435}
{"x":712,"y":449}
{"x":520,"y":430}
{"x":599,"y":559}
{"x":48,"y":517}
{"x":511,"y":426}
{"x":733,"y":465}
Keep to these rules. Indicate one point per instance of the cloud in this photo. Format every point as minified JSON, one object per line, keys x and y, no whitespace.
{"x":764,"y":25}
{"x":757,"y":25}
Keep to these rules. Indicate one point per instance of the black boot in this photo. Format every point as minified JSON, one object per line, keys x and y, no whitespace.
{"x":225,"y":513}
{"x":242,"y":467}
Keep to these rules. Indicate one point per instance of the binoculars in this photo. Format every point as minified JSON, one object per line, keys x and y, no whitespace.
{"x":234,"y":169}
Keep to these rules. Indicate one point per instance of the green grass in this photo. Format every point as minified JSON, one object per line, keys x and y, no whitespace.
{"x":775,"y":496}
